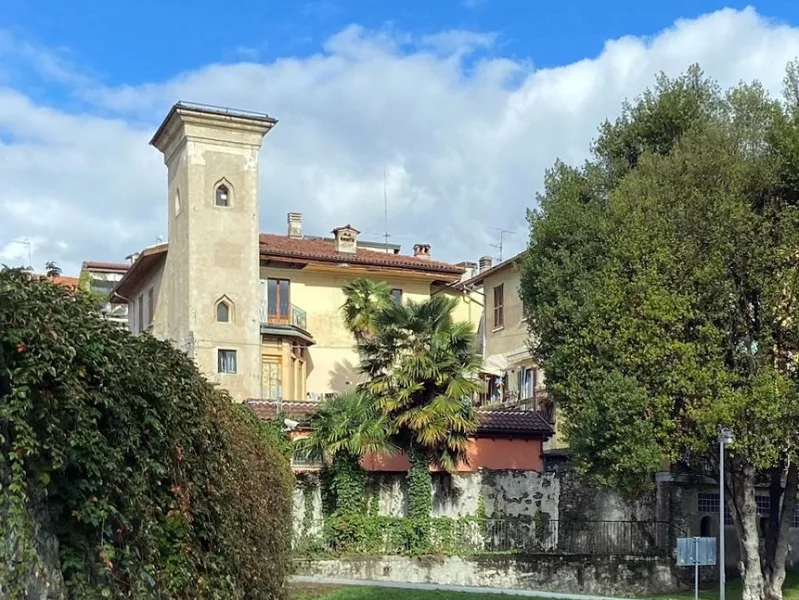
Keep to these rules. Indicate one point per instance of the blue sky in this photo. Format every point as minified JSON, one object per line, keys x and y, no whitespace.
{"x":149,"y":40}
{"x":462,"y":103}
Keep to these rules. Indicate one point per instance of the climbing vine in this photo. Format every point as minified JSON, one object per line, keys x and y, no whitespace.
{"x":152,"y":481}
{"x":348,"y":481}
{"x":420,"y":499}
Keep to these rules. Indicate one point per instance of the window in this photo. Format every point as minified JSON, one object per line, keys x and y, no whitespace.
{"x":226,"y":361}
{"x":177,"y":202}
{"x":763,"y":505}
{"x":271,"y":378}
{"x":222,"y":195}
{"x":526,"y":383}
{"x":223,"y":312}
{"x":150,"y":304}
{"x":396,"y":296}
{"x":499,"y":306}
{"x":141,"y":312}
{"x":278,"y":299}
{"x":706,"y":527}
{"x":709,"y":503}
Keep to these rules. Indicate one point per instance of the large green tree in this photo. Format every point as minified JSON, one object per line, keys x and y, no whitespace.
{"x":662,"y":284}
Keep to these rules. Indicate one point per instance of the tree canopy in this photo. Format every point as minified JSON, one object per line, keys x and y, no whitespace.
{"x":152,"y":482}
{"x":662,"y":285}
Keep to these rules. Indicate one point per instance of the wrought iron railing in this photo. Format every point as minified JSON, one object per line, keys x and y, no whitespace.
{"x":393,"y":535}
{"x":294,"y":316}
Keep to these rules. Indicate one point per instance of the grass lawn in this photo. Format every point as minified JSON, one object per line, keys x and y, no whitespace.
{"x":790,"y":591}
{"x":326,"y":592}
{"x":304,"y":592}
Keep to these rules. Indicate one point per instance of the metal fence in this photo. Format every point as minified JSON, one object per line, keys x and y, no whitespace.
{"x":388,"y":535}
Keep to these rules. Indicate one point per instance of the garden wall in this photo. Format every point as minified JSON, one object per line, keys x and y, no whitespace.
{"x":494,"y":494}
{"x":611,"y":575}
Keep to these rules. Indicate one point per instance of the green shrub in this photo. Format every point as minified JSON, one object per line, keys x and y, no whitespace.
{"x":156,"y":485}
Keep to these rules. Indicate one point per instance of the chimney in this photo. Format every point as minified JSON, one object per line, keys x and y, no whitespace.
{"x":421,"y":251}
{"x":346,"y":239}
{"x":485,"y":263}
{"x":469,"y":270}
{"x":295,"y":225}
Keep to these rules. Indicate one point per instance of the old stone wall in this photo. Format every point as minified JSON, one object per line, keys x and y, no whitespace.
{"x":572,"y":574}
{"x":499,"y":493}
{"x":493,"y":494}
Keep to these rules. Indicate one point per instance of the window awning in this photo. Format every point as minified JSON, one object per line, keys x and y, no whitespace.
{"x":496,"y":365}
{"x":287,"y":331}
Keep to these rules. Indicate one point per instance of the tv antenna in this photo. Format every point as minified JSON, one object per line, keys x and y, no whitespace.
{"x":502,"y":234}
{"x":27,"y":243}
{"x":385,"y":204}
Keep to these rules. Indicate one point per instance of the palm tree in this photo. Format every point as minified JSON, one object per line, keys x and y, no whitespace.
{"x":422,"y":368}
{"x":52,"y":269}
{"x":343,"y":429}
{"x":364,"y":299}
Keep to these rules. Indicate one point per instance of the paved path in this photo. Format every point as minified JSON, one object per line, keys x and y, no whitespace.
{"x":450,"y":588}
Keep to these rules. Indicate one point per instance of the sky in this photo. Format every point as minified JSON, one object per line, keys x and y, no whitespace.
{"x":454,"y":108}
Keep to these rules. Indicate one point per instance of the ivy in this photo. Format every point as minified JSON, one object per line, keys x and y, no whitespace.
{"x":368,"y":535}
{"x":308,"y":485}
{"x":152,"y":481}
{"x":347,"y":482}
{"x":420,"y":499}
{"x":374,"y":503}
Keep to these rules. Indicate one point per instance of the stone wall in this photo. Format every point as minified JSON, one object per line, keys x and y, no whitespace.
{"x":500,"y":494}
{"x":572,"y":574}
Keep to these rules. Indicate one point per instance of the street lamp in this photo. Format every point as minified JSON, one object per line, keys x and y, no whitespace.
{"x":725,"y":438}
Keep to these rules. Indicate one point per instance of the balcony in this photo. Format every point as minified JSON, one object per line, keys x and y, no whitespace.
{"x":295,"y":316}
{"x":291,"y":322}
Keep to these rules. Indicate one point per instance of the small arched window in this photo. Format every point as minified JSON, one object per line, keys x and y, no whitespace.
{"x":223,"y":312}
{"x":706,"y":527}
{"x":177,"y":202}
{"x":222,"y":195}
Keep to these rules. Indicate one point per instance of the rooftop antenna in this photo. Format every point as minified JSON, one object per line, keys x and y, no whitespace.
{"x":26,"y":242}
{"x":502,"y":233}
{"x":385,"y":204}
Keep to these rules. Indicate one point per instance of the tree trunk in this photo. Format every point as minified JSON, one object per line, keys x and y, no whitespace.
{"x":746,"y":509}
{"x":779,"y":537}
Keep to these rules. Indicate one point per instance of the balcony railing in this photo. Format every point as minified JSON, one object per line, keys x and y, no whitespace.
{"x":295,"y":316}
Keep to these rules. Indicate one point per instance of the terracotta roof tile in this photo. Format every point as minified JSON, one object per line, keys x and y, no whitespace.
{"x":282,"y":246}
{"x":511,"y":421}
{"x":268,"y":409}
{"x":62,"y":280}
{"x":496,"y":422}
{"x":105,"y":266}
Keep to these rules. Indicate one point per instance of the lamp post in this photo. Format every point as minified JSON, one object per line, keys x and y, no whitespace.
{"x":725,"y":438}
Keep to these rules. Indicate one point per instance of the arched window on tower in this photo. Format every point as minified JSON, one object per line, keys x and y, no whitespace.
{"x":222,"y":195}
{"x":223,"y":312}
{"x":706,"y":527}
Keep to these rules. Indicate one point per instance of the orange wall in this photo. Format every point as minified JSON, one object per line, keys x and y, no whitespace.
{"x":486,"y":453}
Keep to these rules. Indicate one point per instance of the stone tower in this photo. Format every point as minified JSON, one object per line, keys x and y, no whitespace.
{"x":211,"y":276}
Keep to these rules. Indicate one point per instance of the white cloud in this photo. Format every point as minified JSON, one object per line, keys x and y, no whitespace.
{"x":464,"y":137}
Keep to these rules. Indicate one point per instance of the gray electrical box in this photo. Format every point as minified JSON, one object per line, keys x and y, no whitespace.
{"x":699,"y":551}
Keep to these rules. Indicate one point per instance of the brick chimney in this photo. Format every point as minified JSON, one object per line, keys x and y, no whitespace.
{"x":346,"y":239}
{"x":295,"y":225}
{"x":421,"y":251}
{"x":485,"y":263}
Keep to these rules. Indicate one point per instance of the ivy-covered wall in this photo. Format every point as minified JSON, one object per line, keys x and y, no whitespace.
{"x":496,"y":494}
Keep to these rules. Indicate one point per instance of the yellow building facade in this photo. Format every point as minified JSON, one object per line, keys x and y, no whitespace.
{"x":261,"y":314}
